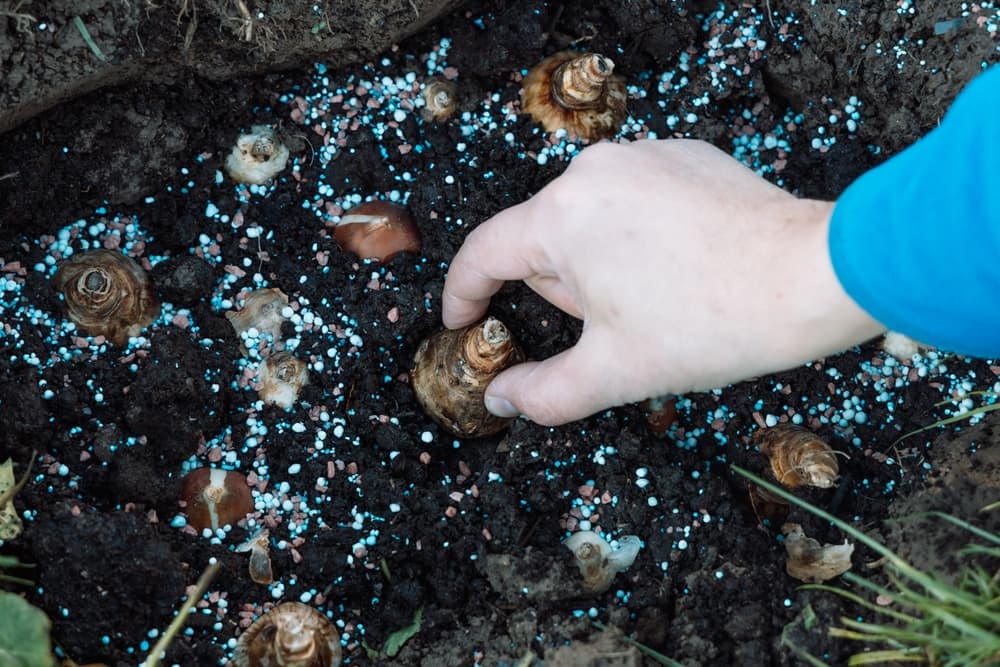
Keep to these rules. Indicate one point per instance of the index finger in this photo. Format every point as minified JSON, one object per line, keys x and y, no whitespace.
{"x":500,"y":249}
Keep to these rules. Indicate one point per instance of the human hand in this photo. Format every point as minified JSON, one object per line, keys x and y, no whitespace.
{"x":689,"y":271}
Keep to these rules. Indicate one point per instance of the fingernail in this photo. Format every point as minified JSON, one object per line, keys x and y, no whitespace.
{"x":501,"y":407}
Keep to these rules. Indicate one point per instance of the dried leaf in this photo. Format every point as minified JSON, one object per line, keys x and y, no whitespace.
{"x":10,"y":522}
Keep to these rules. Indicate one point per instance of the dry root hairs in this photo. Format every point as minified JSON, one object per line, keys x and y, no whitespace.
{"x":22,"y":20}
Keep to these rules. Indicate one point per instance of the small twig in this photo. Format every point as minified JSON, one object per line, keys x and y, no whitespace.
{"x":88,"y":39}
{"x":22,"y":20}
{"x":770,"y":14}
{"x":13,"y":174}
{"x":181,"y":619}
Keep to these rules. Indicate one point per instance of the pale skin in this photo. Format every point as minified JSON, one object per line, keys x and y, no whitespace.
{"x":688,"y":270}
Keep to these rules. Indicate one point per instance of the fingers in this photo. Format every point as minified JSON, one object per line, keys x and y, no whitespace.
{"x":568,"y":386}
{"x":555,"y":290}
{"x":500,"y":249}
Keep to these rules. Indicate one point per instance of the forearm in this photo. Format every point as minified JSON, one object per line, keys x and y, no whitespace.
{"x":916,"y":241}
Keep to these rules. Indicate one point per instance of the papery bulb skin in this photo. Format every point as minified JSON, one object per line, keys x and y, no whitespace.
{"x":597,"y":561}
{"x":257,"y":157}
{"x":281,"y":377}
{"x":377,"y":230}
{"x":440,"y":100}
{"x":798,"y":456}
{"x":808,"y":561}
{"x":452,"y":369}
{"x":290,"y":635}
{"x":577,"y":92}
{"x":263,"y":310}
{"x":107,"y":294}
{"x":215,"y":498}
{"x":259,"y":546}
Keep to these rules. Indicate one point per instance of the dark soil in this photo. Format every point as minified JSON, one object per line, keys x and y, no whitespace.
{"x":374,"y":512}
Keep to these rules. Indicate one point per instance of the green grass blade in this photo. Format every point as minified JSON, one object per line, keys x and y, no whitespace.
{"x":875,"y":657}
{"x":975,"y":530}
{"x":950,"y":420}
{"x":873,"y":544}
{"x":857,"y":599}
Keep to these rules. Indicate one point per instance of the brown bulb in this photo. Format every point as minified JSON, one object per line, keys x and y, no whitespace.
{"x":661,"y":413}
{"x":452,"y":369}
{"x":377,"y":230}
{"x":107,"y":294}
{"x":290,"y":635}
{"x":798,"y":456}
{"x":215,"y":498}
{"x":577,"y":92}
{"x":440,"y":100}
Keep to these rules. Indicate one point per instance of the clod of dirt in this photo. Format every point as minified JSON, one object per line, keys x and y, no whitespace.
{"x":183,"y":280}
{"x":144,"y":586}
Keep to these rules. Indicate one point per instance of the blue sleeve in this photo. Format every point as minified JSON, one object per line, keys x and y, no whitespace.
{"x":916,"y":241}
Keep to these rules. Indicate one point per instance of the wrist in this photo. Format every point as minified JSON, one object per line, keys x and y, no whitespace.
{"x":824,"y":318}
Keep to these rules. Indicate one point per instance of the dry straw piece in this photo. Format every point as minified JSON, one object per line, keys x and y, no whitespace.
{"x":798,"y":456}
{"x":281,"y":376}
{"x":577,"y":92}
{"x":107,"y":294}
{"x":290,"y":635}
{"x":452,"y":369}
{"x":257,"y":156}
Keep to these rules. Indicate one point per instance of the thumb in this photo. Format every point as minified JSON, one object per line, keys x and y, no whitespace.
{"x":563,"y":388}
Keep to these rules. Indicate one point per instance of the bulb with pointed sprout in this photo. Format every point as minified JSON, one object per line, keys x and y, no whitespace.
{"x":257,"y":156}
{"x":290,"y":635}
{"x":452,"y":369}
{"x":377,"y":230}
{"x":440,"y":99}
{"x":577,"y":92}
{"x":798,"y":456}
{"x":107,"y":294}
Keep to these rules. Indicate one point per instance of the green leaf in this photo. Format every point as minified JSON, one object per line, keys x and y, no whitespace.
{"x":24,"y":634}
{"x":396,"y":640}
